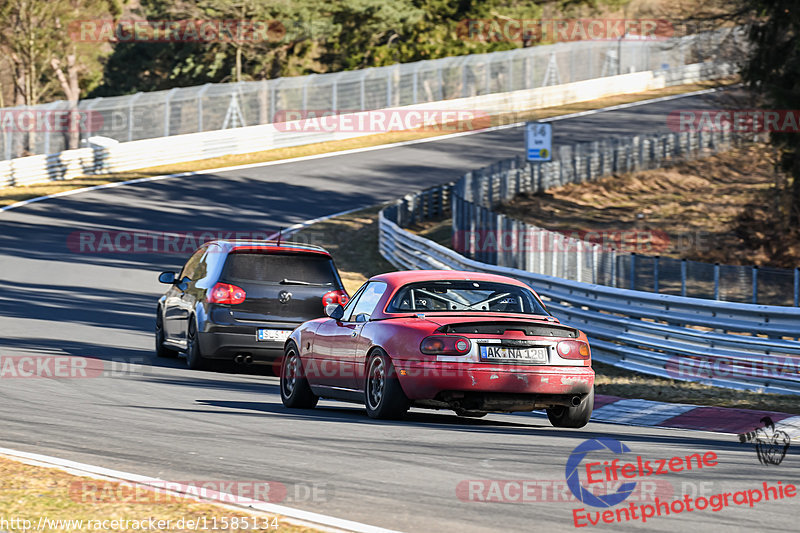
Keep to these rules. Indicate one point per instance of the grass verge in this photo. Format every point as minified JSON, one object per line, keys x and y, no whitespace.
{"x":36,"y":493}
{"x":353,"y":241}
{"x":10,"y":195}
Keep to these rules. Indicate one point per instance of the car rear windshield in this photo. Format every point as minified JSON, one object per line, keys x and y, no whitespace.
{"x":298,"y":269}
{"x":471,"y":296}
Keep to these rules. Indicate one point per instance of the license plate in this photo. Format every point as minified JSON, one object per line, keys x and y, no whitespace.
{"x":506,"y":354}
{"x":279,"y":335}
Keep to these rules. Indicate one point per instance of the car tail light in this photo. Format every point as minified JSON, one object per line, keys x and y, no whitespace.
{"x":335,"y":297}
{"x":445,"y":345}
{"x":573,"y":350}
{"x":225,"y":293}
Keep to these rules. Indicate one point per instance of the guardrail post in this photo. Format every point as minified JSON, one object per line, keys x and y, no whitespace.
{"x":632,"y":273}
{"x":683,"y":277}
{"x":655,"y":274}
{"x":755,"y":283}
{"x":716,"y":281}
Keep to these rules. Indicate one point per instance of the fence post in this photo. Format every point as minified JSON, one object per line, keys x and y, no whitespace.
{"x":541,"y":249}
{"x":797,"y":287}
{"x":683,"y":277}
{"x":130,"y":115}
{"x":655,"y":274}
{"x":755,"y":284}
{"x":633,"y":271}
{"x":579,"y":261}
{"x":716,"y":281}
{"x":614,"y":267}
{"x":167,"y":110}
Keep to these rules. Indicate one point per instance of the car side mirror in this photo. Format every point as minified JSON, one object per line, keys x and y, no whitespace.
{"x":335,"y":311}
{"x":167,"y":278}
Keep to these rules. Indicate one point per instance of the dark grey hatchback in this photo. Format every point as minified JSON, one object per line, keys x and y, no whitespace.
{"x":240,"y":300}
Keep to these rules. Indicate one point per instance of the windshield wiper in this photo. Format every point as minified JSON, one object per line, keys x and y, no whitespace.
{"x":298,"y":282}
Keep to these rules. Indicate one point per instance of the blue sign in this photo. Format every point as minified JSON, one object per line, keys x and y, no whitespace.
{"x":539,"y":141}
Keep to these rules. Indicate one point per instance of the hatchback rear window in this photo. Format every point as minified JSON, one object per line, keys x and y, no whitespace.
{"x":276,"y":268}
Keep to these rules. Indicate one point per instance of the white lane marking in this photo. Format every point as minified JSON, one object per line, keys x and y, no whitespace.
{"x":351,"y":151}
{"x":82,"y":469}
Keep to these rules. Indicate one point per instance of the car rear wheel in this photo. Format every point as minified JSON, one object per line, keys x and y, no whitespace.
{"x":384,"y":397}
{"x":295,"y":390}
{"x":194,"y":359}
{"x":572,"y":417}
{"x":161,"y":350}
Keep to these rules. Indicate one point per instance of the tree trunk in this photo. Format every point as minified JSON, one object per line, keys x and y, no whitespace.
{"x":69,"y":84}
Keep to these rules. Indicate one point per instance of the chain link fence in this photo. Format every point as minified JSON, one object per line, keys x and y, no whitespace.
{"x":221,"y":106}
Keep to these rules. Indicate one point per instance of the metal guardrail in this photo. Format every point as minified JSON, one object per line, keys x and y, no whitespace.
{"x":740,"y":346}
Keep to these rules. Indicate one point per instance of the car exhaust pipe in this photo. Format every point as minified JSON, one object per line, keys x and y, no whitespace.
{"x":248,"y":359}
{"x":576,"y":401}
{"x":239,"y":359}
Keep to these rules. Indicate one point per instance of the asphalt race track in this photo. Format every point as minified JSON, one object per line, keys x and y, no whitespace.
{"x":155,"y":418}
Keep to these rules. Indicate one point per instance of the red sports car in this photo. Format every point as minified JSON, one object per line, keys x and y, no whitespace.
{"x":442,"y":339}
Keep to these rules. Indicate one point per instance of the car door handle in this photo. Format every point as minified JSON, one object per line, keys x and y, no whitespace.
{"x":355,"y":333}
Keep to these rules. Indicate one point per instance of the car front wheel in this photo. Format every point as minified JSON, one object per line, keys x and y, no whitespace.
{"x":383,"y":395}
{"x":161,"y":350}
{"x":572,"y":417}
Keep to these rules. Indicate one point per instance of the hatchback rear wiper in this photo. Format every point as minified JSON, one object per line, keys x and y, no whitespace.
{"x":298,"y":282}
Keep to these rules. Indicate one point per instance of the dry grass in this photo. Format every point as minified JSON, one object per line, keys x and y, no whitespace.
{"x":32,"y":492}
{"x":11,"y":195}
{"x":715,"y":209}
{"x":353,"y":241}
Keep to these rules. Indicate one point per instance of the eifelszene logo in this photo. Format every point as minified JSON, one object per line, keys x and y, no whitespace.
{"x":574,"y":481}
{"x":771,"y":444}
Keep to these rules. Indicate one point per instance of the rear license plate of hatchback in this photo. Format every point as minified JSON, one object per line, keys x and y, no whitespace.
{"x":276,"y":335}
{"x":508,"y":354}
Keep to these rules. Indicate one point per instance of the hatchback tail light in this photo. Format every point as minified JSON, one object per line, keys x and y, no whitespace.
{"x":225,"y":293}
{"x":445,"y":345}
{"x":335,"y":297}
{"x":573,"y":350}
